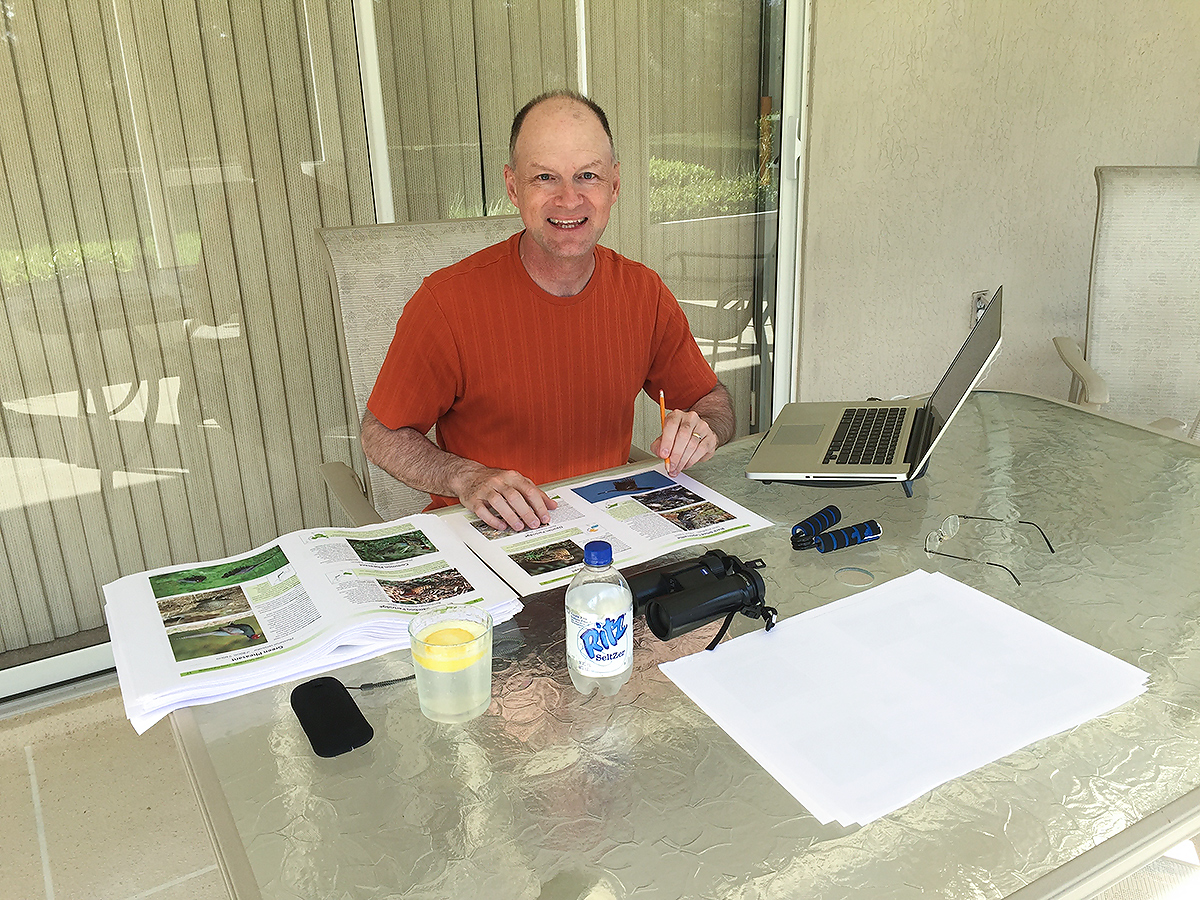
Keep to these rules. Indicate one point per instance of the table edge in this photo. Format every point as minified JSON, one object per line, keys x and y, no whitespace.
{"x":232,"y":860}
{"x":1119,"y":856}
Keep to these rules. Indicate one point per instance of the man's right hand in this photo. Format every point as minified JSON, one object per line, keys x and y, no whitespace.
{"x":502,"y":498}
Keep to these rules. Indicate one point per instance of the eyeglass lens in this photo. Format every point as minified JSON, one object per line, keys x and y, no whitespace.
{"x":948,"y":529}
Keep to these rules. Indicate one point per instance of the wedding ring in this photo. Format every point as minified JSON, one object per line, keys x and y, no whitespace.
{"x":697,"y":434}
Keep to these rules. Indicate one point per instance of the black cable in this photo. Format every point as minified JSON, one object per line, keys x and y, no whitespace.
{"x":371,"y":685}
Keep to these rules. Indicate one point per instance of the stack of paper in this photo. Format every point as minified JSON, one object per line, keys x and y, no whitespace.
{"x":865,"y":704}
{"x":306,"y":603}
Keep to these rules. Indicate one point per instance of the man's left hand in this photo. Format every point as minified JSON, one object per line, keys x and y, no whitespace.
{"x":686,"y":440}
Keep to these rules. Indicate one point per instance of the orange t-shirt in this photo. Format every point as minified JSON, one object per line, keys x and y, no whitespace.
{"x":517,"y":378}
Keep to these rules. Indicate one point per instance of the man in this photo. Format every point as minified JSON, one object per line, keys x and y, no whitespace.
{"x":528,"y":355}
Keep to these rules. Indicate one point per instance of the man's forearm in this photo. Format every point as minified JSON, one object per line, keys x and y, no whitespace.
{"x":409,"y":456}
{"x":716,"y":408}
{"x":500,"y":497}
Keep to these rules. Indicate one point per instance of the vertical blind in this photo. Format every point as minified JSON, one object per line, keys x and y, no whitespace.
{"x":168,"y":363}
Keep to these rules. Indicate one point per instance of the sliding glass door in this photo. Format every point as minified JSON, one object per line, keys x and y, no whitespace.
{"x":682,"y":84}
{"x":168,"y":361}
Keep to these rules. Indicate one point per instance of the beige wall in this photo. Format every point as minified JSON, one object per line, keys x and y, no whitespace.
{"x":952,"y":148}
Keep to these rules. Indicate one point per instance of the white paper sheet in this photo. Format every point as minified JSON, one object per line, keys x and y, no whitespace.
{"x":871,"y":701}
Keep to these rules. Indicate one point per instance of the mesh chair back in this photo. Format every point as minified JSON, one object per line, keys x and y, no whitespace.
{"x":1143,"y":333}
{"x":373,"y":270}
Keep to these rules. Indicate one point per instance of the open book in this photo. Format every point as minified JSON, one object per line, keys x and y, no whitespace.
{"x":318,"y":599}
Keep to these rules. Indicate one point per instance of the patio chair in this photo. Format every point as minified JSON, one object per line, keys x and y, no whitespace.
{"x":373,"y":270}
{"x":1142,"y":358}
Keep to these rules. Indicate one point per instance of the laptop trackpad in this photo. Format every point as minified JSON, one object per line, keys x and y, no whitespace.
{"x":800,"y":433}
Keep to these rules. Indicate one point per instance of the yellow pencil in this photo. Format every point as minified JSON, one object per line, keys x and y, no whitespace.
{"x":662,"y":408}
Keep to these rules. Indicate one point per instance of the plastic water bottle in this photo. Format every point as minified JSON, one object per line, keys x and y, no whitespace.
{"x":599,"y":624}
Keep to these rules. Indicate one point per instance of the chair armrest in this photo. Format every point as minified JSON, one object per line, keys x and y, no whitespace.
{"x":1093,"y":388}
{"x":348,"y":491}
{"x":1170,"y":426}
{"x":637,"y":454}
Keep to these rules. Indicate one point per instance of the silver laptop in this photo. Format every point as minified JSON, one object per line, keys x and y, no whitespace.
{"x":875,"y":440}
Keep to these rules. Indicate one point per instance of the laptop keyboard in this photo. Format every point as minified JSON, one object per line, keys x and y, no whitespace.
{"x":867,"y":436}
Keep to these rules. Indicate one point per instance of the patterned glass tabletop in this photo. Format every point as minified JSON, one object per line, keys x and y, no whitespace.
{"x":553,"y":795}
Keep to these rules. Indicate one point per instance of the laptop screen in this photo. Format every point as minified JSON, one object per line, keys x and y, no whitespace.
{"x":963,"y":373}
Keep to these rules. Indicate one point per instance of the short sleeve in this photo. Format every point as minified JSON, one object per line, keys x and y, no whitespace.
{"x":677,"y":367}
{"x":421,"y":375}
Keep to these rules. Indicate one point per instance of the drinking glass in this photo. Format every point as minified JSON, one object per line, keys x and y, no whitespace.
{"x":452,"y":659}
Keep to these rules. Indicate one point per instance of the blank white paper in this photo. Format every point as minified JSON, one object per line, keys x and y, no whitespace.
{"x":863,"y":705}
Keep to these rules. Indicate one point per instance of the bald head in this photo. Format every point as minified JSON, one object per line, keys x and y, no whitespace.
{"x":585,"y":108}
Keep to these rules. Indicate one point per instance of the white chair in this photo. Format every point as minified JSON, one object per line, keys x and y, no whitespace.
{"x":1143,"y":326}
{"x":373,"y":270}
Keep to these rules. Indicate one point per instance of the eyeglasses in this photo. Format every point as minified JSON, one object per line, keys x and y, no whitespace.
{"x":950,"y":526}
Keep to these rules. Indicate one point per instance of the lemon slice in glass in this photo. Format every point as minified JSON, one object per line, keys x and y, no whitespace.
{"x":449,"y":646}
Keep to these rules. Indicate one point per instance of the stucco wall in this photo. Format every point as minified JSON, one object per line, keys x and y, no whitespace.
{"x":952,"y":148}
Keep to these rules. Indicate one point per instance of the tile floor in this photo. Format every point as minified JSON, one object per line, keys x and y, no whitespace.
{"x":90,"y":810}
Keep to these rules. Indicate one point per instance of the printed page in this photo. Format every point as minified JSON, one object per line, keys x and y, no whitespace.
{"x":398,"y":569}
{"x":642,"y":514}
{"x":667,"y":513}
{"x":537,"y":559}
{"x":176,"y":630}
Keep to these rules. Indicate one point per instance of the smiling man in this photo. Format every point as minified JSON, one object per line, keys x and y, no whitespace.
{"x":529,"y":354}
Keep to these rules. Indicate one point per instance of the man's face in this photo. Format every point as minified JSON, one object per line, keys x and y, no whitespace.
{"x":563,"y":180}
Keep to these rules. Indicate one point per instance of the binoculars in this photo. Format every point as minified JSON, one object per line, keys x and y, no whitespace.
{"x":680,"y":597}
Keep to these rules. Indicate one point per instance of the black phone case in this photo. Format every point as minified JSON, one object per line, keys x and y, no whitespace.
{"x":330,"y":717}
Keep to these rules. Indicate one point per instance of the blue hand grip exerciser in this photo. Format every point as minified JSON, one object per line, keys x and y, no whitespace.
{"x":818,"y":522}
{"x":847,"y":537}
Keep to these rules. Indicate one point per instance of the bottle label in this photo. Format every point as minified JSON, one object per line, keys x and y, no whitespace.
{"x":599,"y":647}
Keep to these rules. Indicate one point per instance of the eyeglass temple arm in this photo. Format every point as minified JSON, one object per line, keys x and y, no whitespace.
{"x":1019,"y":522}
{"x":984,"y":561}
{"x":1049,"y":545}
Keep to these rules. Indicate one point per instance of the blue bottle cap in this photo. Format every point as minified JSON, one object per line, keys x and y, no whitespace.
{"x":597,"y":553}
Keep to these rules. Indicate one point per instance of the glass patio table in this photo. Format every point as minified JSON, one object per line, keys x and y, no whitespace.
{"x":550,"y":794}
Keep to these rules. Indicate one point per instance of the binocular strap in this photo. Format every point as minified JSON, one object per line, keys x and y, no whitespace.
{"x":768,"y":613}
